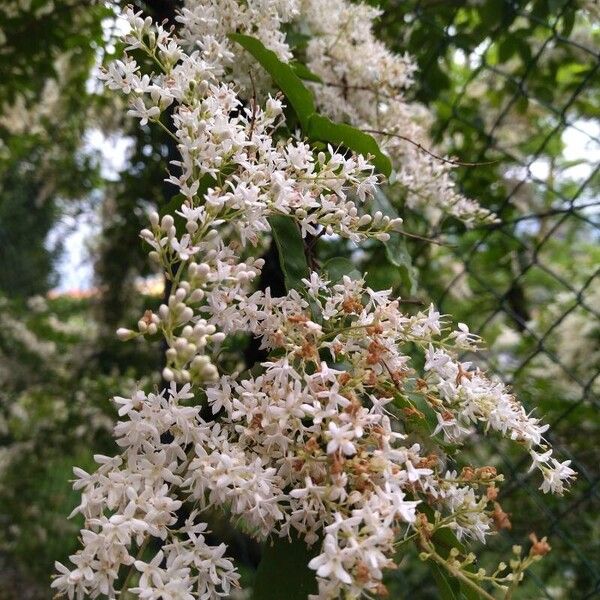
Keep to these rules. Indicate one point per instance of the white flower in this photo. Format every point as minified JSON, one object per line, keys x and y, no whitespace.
{"x":141,"y":111}
{"x":331,"y":561}
{"x":340,"y":438}
{"x":305,"y":445}
{"x":555,"y":476}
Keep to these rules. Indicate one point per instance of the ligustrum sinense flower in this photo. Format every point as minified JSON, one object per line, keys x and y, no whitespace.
{"x":343,"y":434}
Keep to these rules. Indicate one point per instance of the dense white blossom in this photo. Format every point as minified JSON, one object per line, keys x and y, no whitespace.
{"x":321,"y":440}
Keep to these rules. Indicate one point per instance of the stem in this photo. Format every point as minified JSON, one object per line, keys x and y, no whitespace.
{"x":165,"y":129}
{"x":458,"y":574}
{"x":429,"y":152}
{"x":514,"y":583}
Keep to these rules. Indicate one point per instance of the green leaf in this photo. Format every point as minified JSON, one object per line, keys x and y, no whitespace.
{"x":395,"y":248}
{"x":571,"y":73}
{"x":339,"y":266}
{"x":427,"y":422}
{"x":568,"y":21}
{"x":304,"y":72}
{"x":283,"y":75}
{"x":317,"y":127}
{"x":397,"y":253}
{"x":323,"y":129}
{"x":290,"y":248}
{"x":283,"y":571}
{"x":448,"y":587}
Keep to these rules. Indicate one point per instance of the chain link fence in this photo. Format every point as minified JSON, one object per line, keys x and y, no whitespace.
{"x":514,"y":86}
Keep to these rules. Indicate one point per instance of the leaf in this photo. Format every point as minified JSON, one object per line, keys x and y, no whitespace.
{"x":448,"y":587}
{"x":571,"y":73}
{"x":304,"y":72}
{"x":317,"y":127}
{"x":567,"y":23}
{"x":427,"y":422}
{"x":321,"y":128}
{"x":290,"y":247}
{"x":397,"y":253}
{"x":339,"y":266}
{"x":395,"y":248}
{"x":283,"y":75}
{"x":283,"y":571}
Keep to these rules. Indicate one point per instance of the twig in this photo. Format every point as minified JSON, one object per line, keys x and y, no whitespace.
{"x":457,"y":573}
{"x":253,"y":118}
{"x":137,"y":557}
{"x":363,"y":88}
{"x":415,"y":301}
{"x":429,"y":152}
{"x":421,"y":238}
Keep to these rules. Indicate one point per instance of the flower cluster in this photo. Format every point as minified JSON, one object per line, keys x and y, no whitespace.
{"x":365,"y":83}
{"x":362,"y":82}
{"x":339,"y":437}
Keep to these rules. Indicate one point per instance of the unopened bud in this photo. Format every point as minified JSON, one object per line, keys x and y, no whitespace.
{"x":196,"y":295}
{"x":154,"y":218}
{"x":167,"y":222}
{"x":125,"y":334}
{"x":186,"y":314}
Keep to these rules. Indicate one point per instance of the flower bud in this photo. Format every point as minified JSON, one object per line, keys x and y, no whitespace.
{"x":154,"y":218}
{"x":196,"y":295}
{"x":125,"y":334}
{"x":167,"y":222}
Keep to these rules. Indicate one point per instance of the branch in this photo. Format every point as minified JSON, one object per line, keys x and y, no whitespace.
{"x":422,"y":238}
{"x":429,"y":152}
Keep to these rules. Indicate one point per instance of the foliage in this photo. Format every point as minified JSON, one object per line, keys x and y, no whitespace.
{"x":525,"y":61}
{"x":514,"y":83}
{"x":45,"y":107}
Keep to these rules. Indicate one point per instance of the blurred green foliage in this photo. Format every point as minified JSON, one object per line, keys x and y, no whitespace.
{"x":504,"y":79}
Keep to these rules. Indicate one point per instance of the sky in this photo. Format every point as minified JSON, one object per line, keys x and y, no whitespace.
{"x":75,"y":267}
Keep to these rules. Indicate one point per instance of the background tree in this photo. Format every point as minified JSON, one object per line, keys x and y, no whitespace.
{"x":508,"y":84}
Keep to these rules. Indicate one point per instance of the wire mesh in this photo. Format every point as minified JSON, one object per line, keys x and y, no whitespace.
{"x":535,"y":283}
